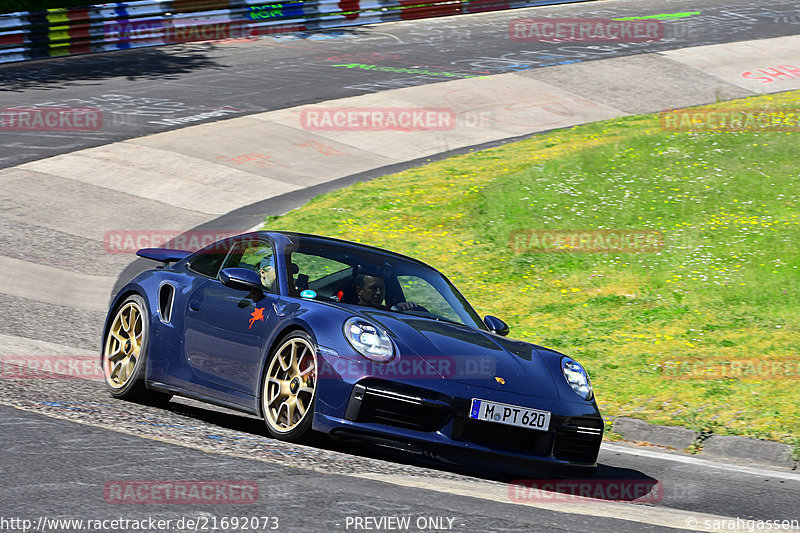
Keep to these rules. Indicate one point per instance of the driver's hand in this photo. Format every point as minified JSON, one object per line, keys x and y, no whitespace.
{"x":406,"y":306}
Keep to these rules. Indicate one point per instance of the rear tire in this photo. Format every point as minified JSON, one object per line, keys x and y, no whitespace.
{"x":289,"y":388}
{"x":125,"y":353}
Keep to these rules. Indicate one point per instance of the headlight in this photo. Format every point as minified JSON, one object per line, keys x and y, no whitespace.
{"x":577,"y":378}
{"x":369,"y":340}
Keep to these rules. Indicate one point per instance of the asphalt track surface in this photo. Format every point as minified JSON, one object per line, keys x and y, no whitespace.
{"x":57,"y":460}
{"x":157,"y":89}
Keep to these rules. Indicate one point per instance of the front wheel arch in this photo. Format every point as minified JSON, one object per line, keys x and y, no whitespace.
{"x":290,"y":371}
{"x":282,"y":334}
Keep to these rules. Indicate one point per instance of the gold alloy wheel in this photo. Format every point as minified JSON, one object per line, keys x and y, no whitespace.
{"x":123,"y":345}
{"x":290,"y":385}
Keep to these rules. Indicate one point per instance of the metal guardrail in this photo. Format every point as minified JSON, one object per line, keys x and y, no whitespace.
{"x":105,"y":27}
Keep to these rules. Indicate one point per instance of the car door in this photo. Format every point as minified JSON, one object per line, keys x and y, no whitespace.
{"x":225,"y":327}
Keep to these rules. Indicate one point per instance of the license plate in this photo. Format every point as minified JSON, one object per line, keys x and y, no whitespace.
{"x":511,"y":415}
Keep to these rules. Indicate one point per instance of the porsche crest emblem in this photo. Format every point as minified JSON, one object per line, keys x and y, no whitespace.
{"x":500,"y":380}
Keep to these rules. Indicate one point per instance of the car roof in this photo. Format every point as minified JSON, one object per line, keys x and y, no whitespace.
{"x":340,"y":242}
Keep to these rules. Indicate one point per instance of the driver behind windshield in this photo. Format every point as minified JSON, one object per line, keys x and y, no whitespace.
{"x":371,"y":290}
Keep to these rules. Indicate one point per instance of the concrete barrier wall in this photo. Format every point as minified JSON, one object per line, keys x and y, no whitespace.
{"x":120,"y":26}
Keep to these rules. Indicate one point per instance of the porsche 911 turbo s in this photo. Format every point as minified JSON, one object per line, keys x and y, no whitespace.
{"x":320,"y":335}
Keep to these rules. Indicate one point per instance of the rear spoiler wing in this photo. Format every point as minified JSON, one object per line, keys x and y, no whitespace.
{"x":163,"y":255}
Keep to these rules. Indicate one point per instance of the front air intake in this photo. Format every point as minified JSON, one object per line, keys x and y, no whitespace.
{"x":381,"y":405}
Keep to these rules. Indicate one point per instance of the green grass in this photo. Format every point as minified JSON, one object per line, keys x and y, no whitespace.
{"x":725,"y":286}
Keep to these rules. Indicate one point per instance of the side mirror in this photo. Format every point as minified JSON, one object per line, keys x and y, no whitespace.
{"x":241,"y":279}
{"x":496,"y":325}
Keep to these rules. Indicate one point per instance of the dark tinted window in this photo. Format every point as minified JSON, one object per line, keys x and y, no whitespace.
{"x":433,"y":295}
{"x":256,"y":255}
{"x":209,"y":260}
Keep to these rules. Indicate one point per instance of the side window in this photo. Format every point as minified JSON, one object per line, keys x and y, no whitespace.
{"x":325,"y":276}
{"x":258,"y":256}
{"x":209,"y":260}
{"x":421,"y":292}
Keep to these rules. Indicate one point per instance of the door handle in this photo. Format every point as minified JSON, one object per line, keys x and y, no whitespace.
{"x":195,"y":306}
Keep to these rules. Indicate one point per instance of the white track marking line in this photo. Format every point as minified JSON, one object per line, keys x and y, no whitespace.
{"x":557,"y":502}
{"x":696,"y":461}
{"x":474,"y":488}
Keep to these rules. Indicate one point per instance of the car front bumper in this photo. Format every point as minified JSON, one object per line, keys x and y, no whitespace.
{"x":421,"y":420}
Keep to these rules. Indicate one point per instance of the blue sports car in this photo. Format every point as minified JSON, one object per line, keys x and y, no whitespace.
{"x":320,"y":335}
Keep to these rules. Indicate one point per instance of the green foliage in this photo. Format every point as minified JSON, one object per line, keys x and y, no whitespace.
{"x":723,"y":288}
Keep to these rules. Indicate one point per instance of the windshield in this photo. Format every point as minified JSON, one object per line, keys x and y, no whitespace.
{"x":350,"y":274}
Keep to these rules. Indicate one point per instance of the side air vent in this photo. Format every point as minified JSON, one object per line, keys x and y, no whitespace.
{"x":166,"y":295}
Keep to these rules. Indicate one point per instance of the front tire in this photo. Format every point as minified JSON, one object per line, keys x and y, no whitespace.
{"x":289,"y":388}
{"x":125,"y":353}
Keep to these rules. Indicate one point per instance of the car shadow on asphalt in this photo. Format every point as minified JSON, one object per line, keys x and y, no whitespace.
{"x":608,"y":483}
{"x":134,"y":64}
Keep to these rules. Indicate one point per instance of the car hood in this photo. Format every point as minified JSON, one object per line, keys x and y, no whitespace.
{"x":466,"y":355}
